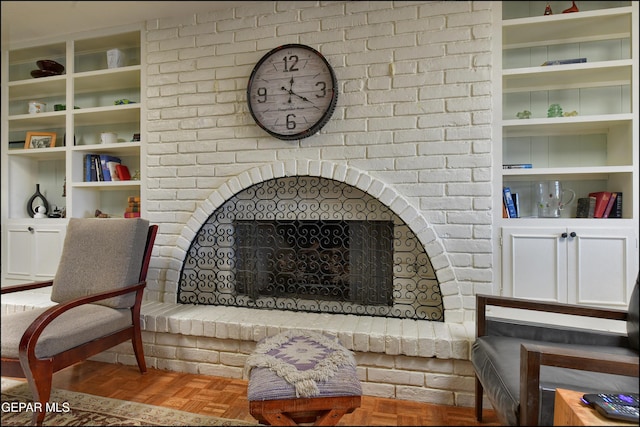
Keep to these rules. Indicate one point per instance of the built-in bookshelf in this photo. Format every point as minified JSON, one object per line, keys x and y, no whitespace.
{"x":85,"y":101}
{"x":48,"y":149}
{"x":574,"y":120}
{"x":566,"y":127}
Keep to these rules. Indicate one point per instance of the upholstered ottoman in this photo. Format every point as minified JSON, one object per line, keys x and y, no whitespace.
{"x":302,"y":377}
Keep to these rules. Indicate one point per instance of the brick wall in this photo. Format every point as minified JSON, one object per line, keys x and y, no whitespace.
{"x":412,"y":126}
{"x":413,"y":113}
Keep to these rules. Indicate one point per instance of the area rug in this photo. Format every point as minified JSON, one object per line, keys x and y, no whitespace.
{"x":80,"y":409}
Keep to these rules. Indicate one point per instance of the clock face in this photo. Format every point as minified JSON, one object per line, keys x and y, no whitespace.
{"x":292,"y":92}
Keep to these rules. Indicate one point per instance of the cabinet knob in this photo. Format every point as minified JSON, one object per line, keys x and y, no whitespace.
{"x":564,"y":235}
{"x":573,"y":234}
{"x":30,"y":229}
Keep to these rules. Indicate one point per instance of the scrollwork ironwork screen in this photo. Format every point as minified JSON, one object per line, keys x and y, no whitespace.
{"x":310,"y":244}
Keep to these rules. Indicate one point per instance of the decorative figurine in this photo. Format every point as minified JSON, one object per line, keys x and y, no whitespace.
{"x":43,"y":202}
{"x":573,"y":8}
{"x":555,"y":110}
{"x":525,"y":114}
{"x":100,"y":214}
{"x":570,"y":114}
{"x":547,"y":10}
{"x":40,"y":212}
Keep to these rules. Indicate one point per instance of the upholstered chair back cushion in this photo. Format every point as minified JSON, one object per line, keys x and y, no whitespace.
{"x":100,"y":254}
{"x":633,"y":330}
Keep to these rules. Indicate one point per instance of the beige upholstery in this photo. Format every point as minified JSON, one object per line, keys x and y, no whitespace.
{"x":107,"y":257}
{"x":66,"y":331}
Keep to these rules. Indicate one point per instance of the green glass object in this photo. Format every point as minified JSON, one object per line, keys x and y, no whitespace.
{"x":555,"y":110}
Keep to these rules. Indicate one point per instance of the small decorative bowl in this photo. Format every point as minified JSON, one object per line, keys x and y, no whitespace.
{"x":49,"y":65}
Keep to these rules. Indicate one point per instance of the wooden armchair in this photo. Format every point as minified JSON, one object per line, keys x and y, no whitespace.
{"x":98,"y":287}
{"x":518,"y":364}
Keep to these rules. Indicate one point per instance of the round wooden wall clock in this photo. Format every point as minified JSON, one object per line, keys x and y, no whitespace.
{"x":292,"y":92}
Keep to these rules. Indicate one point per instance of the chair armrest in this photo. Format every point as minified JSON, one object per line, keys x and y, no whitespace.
{"x":483,"y":301}
{"x":30,"y":337}
{"x":25,"y":287}
{"x":533,"y":356}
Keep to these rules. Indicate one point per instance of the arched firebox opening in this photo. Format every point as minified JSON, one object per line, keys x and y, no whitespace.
{"x":311,"y":244}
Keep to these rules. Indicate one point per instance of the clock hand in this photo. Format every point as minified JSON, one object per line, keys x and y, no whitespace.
{"x":288,"y":91}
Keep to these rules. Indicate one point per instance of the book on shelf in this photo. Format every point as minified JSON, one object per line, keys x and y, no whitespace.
{"x":602,"y":199}
{"x":610,"y":204}
{"x":516,"y":202}
{"x":104,"y":164}
{"x":96,"y":164}
{"x":564,"y":61}
{"x":508,"y":201}
{"x":113,"y":171}
{"x":517,"y":166}
{"x":123,"y":172}
{"x":586,"y":207}
{"x":90,"y":173}
{"x":616,"y":212}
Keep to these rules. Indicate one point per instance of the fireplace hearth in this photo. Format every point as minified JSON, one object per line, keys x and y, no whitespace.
{"x":310,"y":244}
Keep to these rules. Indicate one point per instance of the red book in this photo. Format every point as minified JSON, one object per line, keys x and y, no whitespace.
{"x":610,"y":205}
{"x":123,"y":172}
{"x":602,"y":199}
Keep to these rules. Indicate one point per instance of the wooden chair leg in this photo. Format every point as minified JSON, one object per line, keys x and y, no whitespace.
{"x":136,"y":341}
{"x":136,"y":337}
{"x":479,"y":391}
{"x":39,"y":376}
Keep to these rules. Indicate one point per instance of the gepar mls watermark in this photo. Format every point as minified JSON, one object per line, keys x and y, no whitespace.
{"x":16,"y":406}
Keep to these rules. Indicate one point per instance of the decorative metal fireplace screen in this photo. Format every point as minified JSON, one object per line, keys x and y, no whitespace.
{"x":310,"y":244}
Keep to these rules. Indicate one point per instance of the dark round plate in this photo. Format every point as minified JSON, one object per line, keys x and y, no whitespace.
{"x":43,"y":73}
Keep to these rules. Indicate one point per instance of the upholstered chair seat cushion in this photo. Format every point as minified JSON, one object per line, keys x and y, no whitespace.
{"x":75,"y":327}
{"x":496,"y":359}
{"x":109,"y":257}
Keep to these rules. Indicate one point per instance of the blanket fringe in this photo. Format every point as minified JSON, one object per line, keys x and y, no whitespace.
{"x":305,"y":382}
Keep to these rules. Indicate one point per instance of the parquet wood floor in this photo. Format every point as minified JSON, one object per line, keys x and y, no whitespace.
{"x":227,"y":398}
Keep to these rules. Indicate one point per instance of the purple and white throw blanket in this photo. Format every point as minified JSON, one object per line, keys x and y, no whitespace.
{"x":301,"y":358}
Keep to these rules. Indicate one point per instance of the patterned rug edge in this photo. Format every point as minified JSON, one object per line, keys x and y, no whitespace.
{"x":74,"y":408}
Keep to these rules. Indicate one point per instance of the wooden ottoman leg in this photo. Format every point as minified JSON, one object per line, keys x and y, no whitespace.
{"x":321,"y":411}
{"x":318,"y":394}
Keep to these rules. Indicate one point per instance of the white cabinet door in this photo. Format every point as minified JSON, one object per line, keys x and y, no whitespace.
{"x":578,"y":265}
{"x":534,"y":263}
{"x":604,"y":263}
{"x":33,"y":251}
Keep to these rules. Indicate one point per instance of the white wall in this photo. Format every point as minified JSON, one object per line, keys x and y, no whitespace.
{"x":413,"y":114}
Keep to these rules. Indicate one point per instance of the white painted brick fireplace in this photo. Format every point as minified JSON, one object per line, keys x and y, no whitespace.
{"x":412,"y":128}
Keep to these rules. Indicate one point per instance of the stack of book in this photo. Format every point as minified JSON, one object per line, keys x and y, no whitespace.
{"x":133,"y":208}
{"x":510,"y":203}
{"x":600,"y":204}
{"x":103,"y":167}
